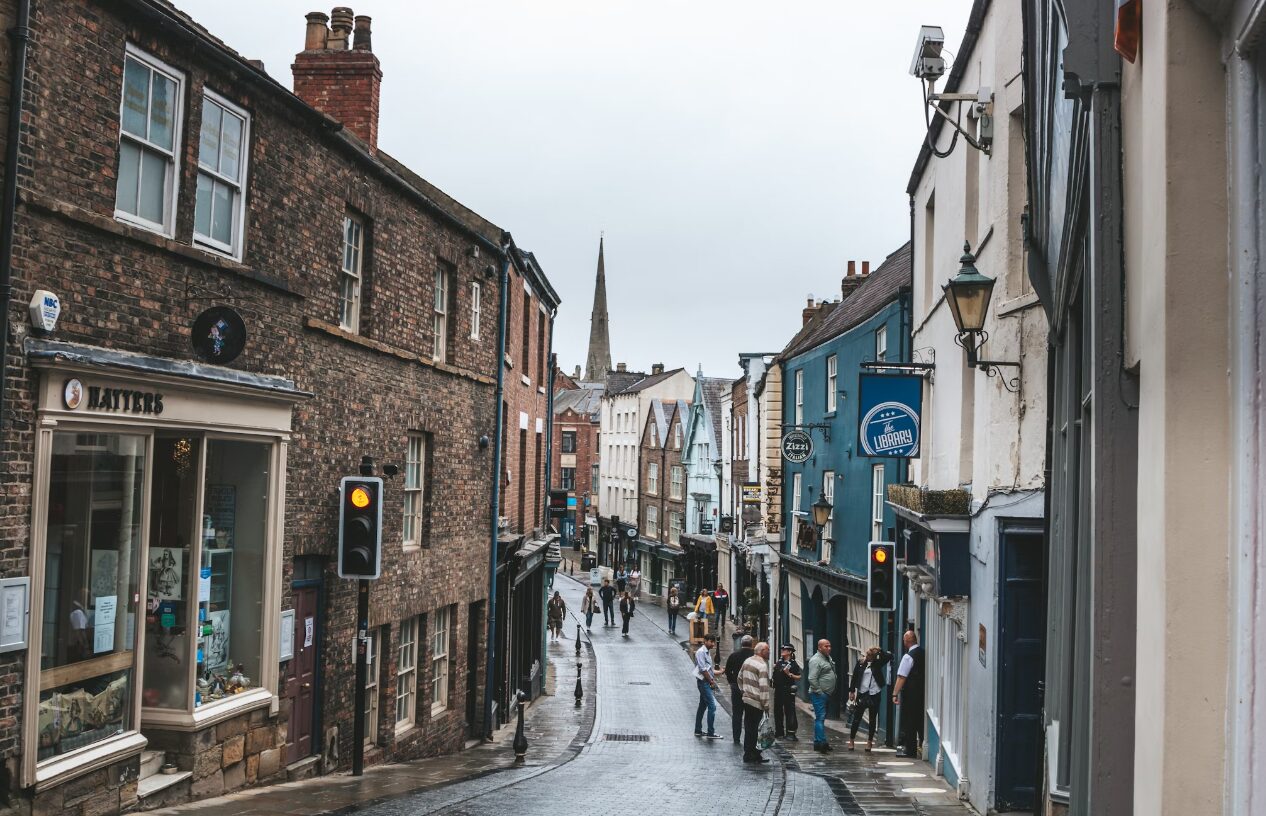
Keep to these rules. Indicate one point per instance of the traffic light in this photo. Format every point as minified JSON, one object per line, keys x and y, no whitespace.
{"x":360,"y":527}
{"x":881,"y":576}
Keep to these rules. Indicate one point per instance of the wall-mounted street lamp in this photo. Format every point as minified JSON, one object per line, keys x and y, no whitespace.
{"x":821,"y":513}
{"x":967,"y":295}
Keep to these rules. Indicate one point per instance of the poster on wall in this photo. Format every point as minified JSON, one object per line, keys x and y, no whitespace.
{"x":889,"y":410}
{"x":165,"y":573}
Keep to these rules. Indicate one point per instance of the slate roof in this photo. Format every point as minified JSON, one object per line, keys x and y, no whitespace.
{"x":617,"y":381}
{"x":580,"y":400}
{"x":647,"y":382}
{"x":880,"y":288}
{"x":659,"y":414}
{"x":824,"y":310}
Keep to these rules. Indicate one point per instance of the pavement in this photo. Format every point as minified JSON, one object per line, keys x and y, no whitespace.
{"x":629,"y":749}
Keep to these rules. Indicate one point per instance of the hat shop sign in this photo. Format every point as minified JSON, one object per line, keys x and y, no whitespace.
{"x":797,"y":446}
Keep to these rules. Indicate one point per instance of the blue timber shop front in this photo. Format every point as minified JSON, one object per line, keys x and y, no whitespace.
{"x":822,"y":592}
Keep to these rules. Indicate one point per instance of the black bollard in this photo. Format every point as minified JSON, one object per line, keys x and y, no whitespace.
{"x":520,"y":739}
{"x":579,"y":691}
{"x":578,"y":640}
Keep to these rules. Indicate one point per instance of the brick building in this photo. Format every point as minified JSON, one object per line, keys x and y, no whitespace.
{"x":167,"y":499}
{"x":575,"y":451}
{"x":662,"y":489}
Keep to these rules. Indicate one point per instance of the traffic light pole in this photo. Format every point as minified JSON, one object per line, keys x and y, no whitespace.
{"x":362,"y":641}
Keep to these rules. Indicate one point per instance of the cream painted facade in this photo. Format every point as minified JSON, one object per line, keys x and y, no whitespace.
{"x":977,"y":435}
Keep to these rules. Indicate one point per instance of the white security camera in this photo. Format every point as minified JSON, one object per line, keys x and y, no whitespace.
{"x":928,"y":63}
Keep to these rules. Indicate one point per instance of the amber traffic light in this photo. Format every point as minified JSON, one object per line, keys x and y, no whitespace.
{"x":881,"y":577}
{"x":360,"y":527}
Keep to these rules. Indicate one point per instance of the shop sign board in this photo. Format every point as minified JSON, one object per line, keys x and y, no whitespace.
{"x":797,"y":446}
{"x":889,"y":410}
{"x":751,"y":492}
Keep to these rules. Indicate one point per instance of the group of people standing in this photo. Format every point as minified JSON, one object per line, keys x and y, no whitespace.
{"x":607,"y":595}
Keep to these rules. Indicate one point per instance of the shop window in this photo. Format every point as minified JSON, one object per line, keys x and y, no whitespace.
{"x":91,"y":577}
{"x":406,"y":674}
{"x":441,"y":638}
{"x":206,"y":604}
{"x":149,"y":129}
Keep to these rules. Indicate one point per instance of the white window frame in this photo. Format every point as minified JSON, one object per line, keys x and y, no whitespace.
{"x":234,"y":247}
{"x":439,"y":315}
{"x":877,"y":478}
{"x":652,"y":478}
{"x":654,"y":436}
{"x":374,"y":666}
{"x":795,"y":492}
{"x":355,"y":273}
{"x":674,"y":524}
{"x":832,"y":366}
{"x":677,"y":436}
{"x":677,"y":488}
{"x":563,"y":478}
{"x":441,"y":641}
{"x":414,"y":489}
{"x":828,"y":529}
{"x":476,"y":306}
{"x":652,"y":521}
{"x":407,"y":674}
{"x":881,"y":344}
{"x":800,"y":396}
{"x":171,"y":183}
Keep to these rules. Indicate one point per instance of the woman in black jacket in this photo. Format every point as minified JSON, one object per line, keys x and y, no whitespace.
{"x":626,"y":611}
{"x":865,"y":690}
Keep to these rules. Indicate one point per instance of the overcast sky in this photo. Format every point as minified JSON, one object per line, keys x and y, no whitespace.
{"x":736,"y":154}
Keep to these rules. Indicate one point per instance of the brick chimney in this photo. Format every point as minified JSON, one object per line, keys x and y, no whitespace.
{"x":621,"y":367}
{"x":852,"y":280}
{"x":657,"y":368}
{"x":338,"y":74}
{"x":809,"y":312}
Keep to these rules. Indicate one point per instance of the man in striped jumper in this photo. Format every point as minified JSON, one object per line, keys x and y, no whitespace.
{"x":754,"y":684}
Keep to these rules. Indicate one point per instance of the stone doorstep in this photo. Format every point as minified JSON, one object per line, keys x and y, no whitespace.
{"x":303,"y":769}
{"x":159,"y":782}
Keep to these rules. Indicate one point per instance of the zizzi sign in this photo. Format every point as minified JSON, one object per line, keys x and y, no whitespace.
{"x":122,"y":400}
{"x":797,"y":446}
{"x":889,"y":409}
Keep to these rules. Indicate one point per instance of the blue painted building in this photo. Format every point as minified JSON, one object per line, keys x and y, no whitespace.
{"x":823,"y":578}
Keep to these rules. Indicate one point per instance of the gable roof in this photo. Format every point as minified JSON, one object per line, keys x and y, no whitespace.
{"x":647,"y":382}
{"x":580,"y":400}
{"x":879,"y":289}
{"x":707,"y":406}
{"x":659,"y":414}
{"x":617,"y":381}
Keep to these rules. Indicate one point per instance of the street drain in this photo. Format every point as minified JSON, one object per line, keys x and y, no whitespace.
{"x":627,"y":737}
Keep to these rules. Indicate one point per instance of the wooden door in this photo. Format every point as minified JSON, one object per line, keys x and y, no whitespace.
{"x":302,"y":674}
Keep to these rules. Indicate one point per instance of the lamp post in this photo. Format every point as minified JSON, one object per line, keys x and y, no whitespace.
{"x":821,"y":515}
{"x":967,"y":294}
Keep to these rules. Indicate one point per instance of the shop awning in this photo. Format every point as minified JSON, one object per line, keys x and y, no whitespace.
{"x":698,"y":542}
{"x":829,"y":580}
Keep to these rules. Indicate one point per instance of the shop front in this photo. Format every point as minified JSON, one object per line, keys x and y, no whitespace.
{"x":156,"y":540}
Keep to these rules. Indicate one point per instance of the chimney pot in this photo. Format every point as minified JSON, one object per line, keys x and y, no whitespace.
{"x":852,"y":268}
{"x":621,"y":367}
{"x":361,"y":39}
{"x":318,"y":32}
{"x":340,"y":29}
{"x":657,"y":368}
{"x":576,"y":376}
{"x":865,"y":268}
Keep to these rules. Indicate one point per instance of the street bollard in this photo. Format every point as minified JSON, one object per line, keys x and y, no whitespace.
{"x":578,"y":640}
{"x":579,"y":691}
{"x":520,"y":739}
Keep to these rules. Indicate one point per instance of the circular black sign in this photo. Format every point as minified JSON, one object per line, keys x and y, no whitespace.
{"x":797,"y":446}
{"x":219,"y":335}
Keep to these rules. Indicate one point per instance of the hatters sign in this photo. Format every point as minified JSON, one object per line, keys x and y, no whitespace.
{"x":121,"y":400}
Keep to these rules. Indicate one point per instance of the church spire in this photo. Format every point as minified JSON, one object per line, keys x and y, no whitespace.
{"x":599,"y":362}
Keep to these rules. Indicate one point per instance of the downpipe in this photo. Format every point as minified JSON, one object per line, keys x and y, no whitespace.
{"x":490,"y":668}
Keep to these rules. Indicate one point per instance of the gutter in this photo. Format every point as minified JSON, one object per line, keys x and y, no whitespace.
{"x":21,"y":35}
{"x":495,"y":514}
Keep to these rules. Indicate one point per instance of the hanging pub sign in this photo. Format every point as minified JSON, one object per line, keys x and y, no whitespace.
{"x":750,"y":492}
{"x":218,"y":335}
{"x":889,"y":409}
{"x":797,"y":446}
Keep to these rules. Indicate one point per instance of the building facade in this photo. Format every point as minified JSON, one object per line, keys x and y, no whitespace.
{"x":663,"y":497}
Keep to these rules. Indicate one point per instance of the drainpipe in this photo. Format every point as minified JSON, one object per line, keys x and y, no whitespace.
{"x":21,"y":35}
{"x":490,"y":669}
{"x":551,"y":364}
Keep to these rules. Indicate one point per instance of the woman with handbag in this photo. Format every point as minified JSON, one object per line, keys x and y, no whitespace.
{"x":674,"y":607}
{"x":865,"y":689}
{"x":589,"y":606}
{"x":626,"y":611}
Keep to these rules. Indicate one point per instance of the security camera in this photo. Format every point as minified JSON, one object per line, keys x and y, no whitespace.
{"x":928,"y":63}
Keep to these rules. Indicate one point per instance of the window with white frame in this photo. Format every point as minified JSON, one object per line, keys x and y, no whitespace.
{"x":652,"y":521}
{"x":881,"y":343}
{"x":800,"y":397}
{"x":568,"y":479}
{"x":441,"y":637}
{"x":476,"y":305}
{"x":219,"y":212}
{"x":678,"y":483}
{"x":374,"y":664}
{"x":406,"y":674}
{"x":569,"y":442}
{"x":677,"y":436}
{"x":877,"y":503}
{"x":439,"y":316}
{"x":350,"y":283}
{"x":652,"y":478}
{"x":828,"y":529}
{"x":149,"y":132}
{"x":831,"y":382}
{"x":654,"y":435}
{"x":414,"y":489}
{"x":674,"y":525}
{"x":795,"y":493}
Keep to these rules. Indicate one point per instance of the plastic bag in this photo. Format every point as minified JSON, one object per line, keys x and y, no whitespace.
{"x":765,"y":733}
{"x":692,"y":616}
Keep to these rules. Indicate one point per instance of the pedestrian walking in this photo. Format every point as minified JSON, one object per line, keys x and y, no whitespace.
{"x":822,"y":680}
{"x":754,"y":683}
{"x":635,"y":583}
{"x":865,"y":690}
{"x":555,"y":610}
{"x":589,"y":605}
{"x":787,"y":674}
{"x":607,"y":595}
{"x":674,"y":607}
{"x":721,"y":602}
{"x":908,"y":693}
{"x":705,"y":679}
{"x":626,"y":611}
{"x":704,"y":608}
{"x":621,"y":579}
{"x":733,"y":665}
